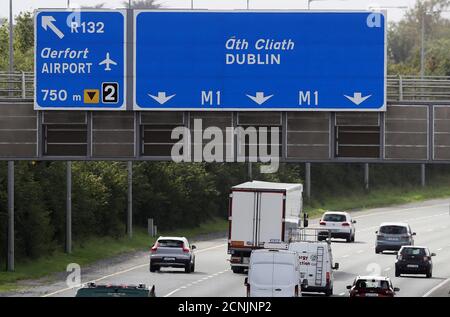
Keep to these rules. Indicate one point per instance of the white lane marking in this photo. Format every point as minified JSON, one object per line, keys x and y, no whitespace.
{"x":195,"y":282}
{"x":398,"y":210}
{"x":342,"y":294}
{"x":407,"y":220}
{"x":345,"y":256}
{"x":439,"y":249}
{"x":360,"y":251}
{"x":121,"y":272}
{"x":431,"y":291}
{"x":387,"y":269}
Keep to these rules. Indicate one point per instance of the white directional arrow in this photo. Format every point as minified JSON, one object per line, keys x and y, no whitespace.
{"x":162,"y":98}
{"x":47,"y":21}
{"x":259,"y":98}
{"x":357,"y":98}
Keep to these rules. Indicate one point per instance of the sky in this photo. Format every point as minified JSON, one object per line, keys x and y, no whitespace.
{"x":394,"y":14}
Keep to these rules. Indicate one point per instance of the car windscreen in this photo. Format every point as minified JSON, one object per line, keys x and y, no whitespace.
{"x":413,"y":251}
{"x":371,"y":284}
{"x":334,"y":218}
{"x":170,"y":243}
{"x":393,"y":230}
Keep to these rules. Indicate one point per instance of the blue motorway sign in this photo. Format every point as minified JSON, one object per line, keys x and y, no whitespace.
{"x":205,"y":60}
{"x":80,"y":60}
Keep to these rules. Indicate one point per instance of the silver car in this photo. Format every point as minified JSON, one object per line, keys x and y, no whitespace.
{"x":172,"y":252}
{"x":392,"y":236}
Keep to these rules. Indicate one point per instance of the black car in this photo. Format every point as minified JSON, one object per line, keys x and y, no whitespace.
{"x":94,"y":290}
{"x":414,"y":260}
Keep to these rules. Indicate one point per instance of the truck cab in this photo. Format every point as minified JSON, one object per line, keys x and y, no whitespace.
{"x":273,"y":273}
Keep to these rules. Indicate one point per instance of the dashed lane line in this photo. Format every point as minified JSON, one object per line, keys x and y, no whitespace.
{"x":121,"y":272}
{"x":195,"y":282}
{"x":431,"y":291}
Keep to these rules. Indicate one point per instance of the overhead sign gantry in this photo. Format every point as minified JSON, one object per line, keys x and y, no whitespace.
{"x":259,"y":60}
{"x":80,"y":59}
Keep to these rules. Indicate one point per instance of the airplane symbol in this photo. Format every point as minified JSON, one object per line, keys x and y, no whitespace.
{"x":107,"y":61}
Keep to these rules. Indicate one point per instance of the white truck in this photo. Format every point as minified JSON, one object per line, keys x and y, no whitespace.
{"x":261,"y":213}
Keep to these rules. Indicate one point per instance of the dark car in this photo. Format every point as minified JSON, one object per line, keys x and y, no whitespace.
{"x":414,"y":260}
{"x":372,"y":286}
{"x":93,"y":290}
{"x":172,"y":252}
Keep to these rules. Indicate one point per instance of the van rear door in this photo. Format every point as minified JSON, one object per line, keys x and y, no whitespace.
{"x":261,"y":277}
{"x":285,"y":276}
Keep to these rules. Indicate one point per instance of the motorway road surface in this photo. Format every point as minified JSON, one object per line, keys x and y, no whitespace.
{"x":430,"y":220}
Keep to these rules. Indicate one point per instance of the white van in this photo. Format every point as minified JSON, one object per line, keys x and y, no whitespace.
{"x":273,"y":273}
{"x":315,"y":265}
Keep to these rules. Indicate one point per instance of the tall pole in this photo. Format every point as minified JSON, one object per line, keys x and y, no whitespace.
{"x":192,"y":4}
{"x":11,"y":26}
{"x":366,"y":176}
{"x":422,"y":46}
{"x":248,"y":4}
{"x":130,"y":200}
{"x":10,"y":216}
{"x":308,"y":180}
{"x":69,"y":207}
{"x":68,"y":4}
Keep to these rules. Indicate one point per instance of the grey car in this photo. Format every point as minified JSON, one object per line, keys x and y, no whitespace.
{"x":391,"y":236}
{"x":172,"y":252}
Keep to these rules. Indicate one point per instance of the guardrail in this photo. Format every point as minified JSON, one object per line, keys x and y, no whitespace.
{"x":414,"y":88}
{"x":20,"y":85}
{"x":17,"y":85}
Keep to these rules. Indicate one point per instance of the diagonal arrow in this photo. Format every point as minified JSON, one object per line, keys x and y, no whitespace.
{"x":259,"y":98}
{"x":47,"y":22}
{"x":162,"y":98}
{"x":357,"y":98}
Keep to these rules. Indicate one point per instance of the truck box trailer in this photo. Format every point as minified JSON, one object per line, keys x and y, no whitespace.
{"x":261,"y":213}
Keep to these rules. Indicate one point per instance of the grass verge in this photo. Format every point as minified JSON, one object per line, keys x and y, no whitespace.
{"x":93,"y":250}
{"x":378,"y":198}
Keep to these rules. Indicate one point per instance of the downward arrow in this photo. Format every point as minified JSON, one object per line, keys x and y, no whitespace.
{"x":162,"y":98}
{"x":259,"y":98}
{"x":47,"y":21}
{"x":357,"y":98}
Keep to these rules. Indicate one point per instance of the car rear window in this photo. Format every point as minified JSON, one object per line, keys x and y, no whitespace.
{"x":413,"y":251}
{"x":334,"y":218}
{"x":170,"y":243}
{"x":372,"y":284}
{"x":393,"y":230}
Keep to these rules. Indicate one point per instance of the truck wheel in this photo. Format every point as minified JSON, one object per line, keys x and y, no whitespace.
{"x":329,"y":292}
{"x":237,"y":269}
{"x":153,"y":268}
